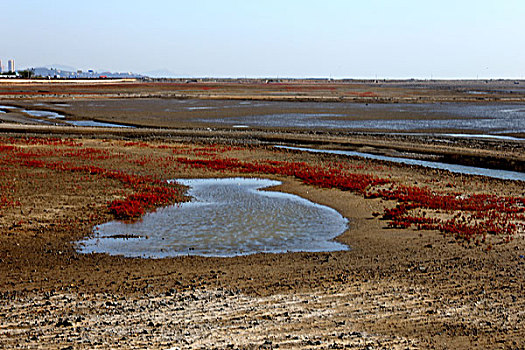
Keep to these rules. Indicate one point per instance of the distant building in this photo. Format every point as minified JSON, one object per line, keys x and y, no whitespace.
{"x":11,"y":65}
{"x":1,"y":70}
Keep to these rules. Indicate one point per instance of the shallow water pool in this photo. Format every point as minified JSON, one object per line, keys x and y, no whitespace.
{"x":227,"y":217}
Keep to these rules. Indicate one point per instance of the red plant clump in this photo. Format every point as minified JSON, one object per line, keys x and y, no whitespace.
{"x":126,"y":209}
{"x":362,"y":94}
{"x":149,"y":197}
{"x":136,"y":144}
{"x":486,"y":214}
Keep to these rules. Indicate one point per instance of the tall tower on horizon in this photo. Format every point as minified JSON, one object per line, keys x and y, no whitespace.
{"x":11,"y":66}
{"x":1,"y":69}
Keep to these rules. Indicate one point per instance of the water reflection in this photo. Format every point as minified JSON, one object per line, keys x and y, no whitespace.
{"x":227,"y":217}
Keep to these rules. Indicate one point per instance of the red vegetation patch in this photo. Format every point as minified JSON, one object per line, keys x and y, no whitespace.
{"x":147,"y":199}
{"x":327,"y":178}
{"x":363,"y":94}
{"x":468,"y":217}
{"x":483,"y":214}
{"x":149,"y":192}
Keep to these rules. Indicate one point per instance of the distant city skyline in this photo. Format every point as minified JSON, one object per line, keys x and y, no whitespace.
{"x":10,"y":66}
{"x":230,"y":38}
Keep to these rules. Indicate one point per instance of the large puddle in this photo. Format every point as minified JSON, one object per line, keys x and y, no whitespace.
{"x":227,"y":217}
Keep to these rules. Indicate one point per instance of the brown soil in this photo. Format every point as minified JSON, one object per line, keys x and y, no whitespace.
{"x":395,"y":288}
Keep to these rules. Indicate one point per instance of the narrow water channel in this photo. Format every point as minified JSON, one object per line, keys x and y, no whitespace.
{"x":51,"y":117}
{"x":454,"y":168}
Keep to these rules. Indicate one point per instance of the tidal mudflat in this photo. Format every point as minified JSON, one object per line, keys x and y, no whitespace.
{"x":436,"y":258}
{"x":489,"y":119}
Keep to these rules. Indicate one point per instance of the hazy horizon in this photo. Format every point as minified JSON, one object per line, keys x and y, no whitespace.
{"x":292,"y":39}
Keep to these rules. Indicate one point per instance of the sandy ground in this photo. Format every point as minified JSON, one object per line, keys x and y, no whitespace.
{"x":395,"y":288}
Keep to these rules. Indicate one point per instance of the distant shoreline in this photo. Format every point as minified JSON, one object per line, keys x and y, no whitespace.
{"x":66,"y":81}
{"x":296,"y":90}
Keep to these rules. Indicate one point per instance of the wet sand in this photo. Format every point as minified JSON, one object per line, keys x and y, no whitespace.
{"x":395,"y":288}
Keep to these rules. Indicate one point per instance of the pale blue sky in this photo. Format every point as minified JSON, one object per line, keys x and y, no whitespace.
{"x":273,"y":38}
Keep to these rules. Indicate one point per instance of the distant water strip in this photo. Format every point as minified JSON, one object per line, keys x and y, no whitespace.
{"x":93,"y":123}
{"x":463,"y":136}
{"x":454,"y":168}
